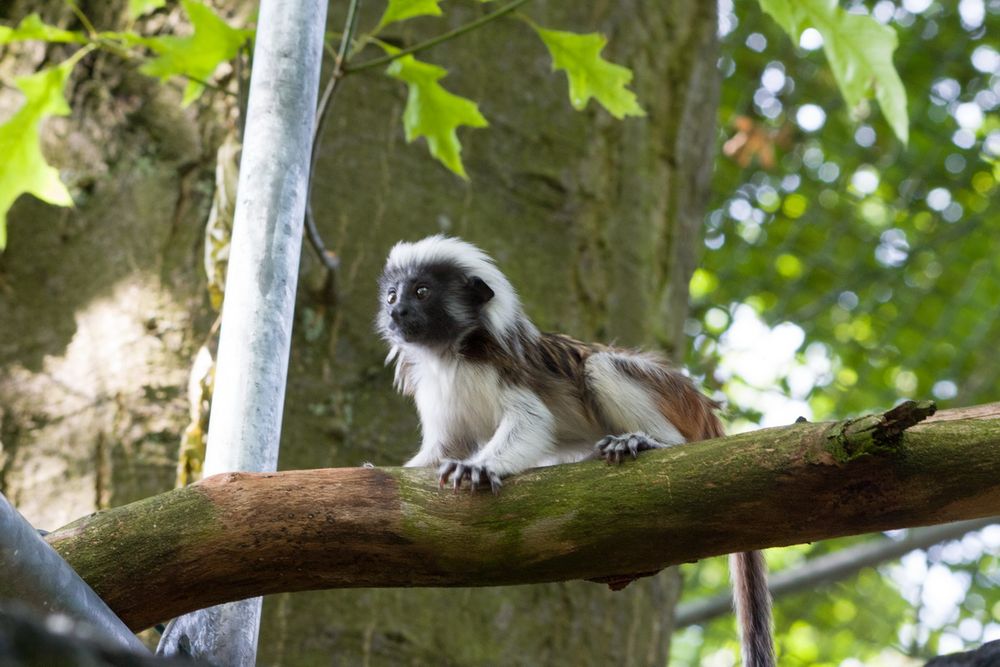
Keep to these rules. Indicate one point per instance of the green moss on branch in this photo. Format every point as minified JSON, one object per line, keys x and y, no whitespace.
{"x":237,"y":535}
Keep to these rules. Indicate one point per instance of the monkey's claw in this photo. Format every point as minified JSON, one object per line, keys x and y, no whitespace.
{"x":457,"y":471}
{"x":613,"y":448}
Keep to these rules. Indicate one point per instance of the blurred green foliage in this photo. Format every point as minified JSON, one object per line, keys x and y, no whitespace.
{"x":885,"y":255}
{"x":857,"y":271}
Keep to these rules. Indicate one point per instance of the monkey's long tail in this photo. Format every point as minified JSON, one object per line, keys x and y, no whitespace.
{"x":753,"y":607}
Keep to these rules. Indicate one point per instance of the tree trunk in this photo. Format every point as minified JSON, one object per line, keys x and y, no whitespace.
{"x":594,"y":220}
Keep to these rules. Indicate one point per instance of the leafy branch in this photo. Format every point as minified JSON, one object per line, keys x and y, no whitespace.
{"x":435,"y":113}
{"x":858,"y":47}
{"x":194,"y":58}
{"x":440,"y":39}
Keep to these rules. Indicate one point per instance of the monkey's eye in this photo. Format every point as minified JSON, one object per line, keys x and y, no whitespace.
{"x":390,"y":298}
{"x":422,"y":292}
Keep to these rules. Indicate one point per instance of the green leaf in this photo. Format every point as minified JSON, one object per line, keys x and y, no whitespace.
{"x":859,"y":49}
{"x":32,"y":27}
{"x":197,"y":56}
{"x":138,"y":8}
{"x":23,"y":167}
{"x":400,"y":10}
{"x":787,"y":16}
{"x":434,"y":113}
{"x":589,"y":74}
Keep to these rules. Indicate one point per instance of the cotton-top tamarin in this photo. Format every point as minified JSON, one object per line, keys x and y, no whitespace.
{"x":497,"y":397}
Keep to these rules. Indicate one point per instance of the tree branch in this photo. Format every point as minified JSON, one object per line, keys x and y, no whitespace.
{"x":237,"y":535}
{"x":434,"y":41}
{"x":833,"y":567}
{"x":342,"y":67}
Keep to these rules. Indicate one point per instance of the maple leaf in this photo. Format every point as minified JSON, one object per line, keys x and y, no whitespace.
{"x":434,"y":113}
{"x":138,"y":8}
{"x":590,"y":75}
{"x":400,"y":10}
{"x":197,"y":56}
{"x":23,"y":168}
{"x":859,"y":49}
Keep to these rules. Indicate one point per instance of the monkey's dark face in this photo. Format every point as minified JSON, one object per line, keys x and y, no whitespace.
{"x":431,"y":305}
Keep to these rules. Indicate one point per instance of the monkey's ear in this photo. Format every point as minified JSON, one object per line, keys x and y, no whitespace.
{"x":481,"y":292}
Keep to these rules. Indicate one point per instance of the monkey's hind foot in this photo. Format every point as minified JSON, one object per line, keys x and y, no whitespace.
{"x":613,"y":448}
{"x":476,"y":475}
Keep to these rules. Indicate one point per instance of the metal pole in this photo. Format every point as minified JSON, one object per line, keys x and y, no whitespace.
{"x":247,"y":404}
{"x":833,"y":567}
{"x":31,"y":571}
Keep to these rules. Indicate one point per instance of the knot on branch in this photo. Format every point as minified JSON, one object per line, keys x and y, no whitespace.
{"x":872,"y":434}
{"x":902,"y":417}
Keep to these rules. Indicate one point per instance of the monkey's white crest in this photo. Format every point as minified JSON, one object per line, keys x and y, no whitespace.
{"x":503,"y":312}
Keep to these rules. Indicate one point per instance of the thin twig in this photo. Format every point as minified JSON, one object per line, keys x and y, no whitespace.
{"x":329,"y":50}
{"x":434,"y":41}
{"x":345,"y":40}
{"x":80,"y":53}
{"x":342,"y":68}
{"x":92,"y":32}
{"x":214,"y":87}
{"x":114,"y":47}
{"x":327,"y":258}
{"x":242,"y":85}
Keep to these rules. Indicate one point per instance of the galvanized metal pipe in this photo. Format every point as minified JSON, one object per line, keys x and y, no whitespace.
{"x":247,"y":404}
{"x":32,"y":572}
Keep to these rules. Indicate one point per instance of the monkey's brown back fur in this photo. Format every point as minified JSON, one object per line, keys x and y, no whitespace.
{"x":552,"y":363}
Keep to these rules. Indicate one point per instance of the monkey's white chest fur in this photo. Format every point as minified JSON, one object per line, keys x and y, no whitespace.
{"x":468,"y":412}
{"x":460,"y":404}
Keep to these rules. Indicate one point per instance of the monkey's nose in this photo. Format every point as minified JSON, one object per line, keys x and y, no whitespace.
{"x":398,"y":313}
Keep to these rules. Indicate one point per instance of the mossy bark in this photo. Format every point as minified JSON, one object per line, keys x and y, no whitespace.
{"x":241,"y":534}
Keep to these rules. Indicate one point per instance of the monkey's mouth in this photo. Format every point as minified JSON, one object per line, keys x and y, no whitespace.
{"x":408,"y":332}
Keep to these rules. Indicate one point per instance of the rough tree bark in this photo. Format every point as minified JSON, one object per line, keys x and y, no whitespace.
{"x":596,"y":222}
{"x":102,"y":305}
{"x":242,"y":534}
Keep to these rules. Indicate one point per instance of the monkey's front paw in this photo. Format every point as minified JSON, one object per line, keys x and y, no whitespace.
{"x":476,"y":475}
{"x":613,"y":448}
